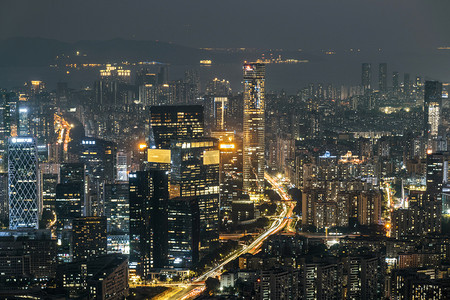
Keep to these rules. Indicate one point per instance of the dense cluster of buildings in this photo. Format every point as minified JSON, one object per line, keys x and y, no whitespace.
{"x":137,"y":177}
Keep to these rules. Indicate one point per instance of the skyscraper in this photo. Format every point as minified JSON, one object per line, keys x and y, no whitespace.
{"x":174,"y":123}
{"x":254,"y":127}
{"x":23,"y":183}
{"x":148,"y":220}
{"x":382,"y":77}
{"x":366,"y":76}
{"x":117,"y":208}
{"x":195,"y":173}
{"x":69,"y":199}
{"x":437,"y":170}
{"x":183,"y":231}
{"x":68,"y":204}
{"x":432,"y":105}
{"x":89,"y":238}
{"x":220,"y":110}
{"x":193,"y":161}
{"x":24,"y":126}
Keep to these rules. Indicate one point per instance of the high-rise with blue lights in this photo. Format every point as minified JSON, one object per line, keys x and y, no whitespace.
{"x":23,"y":183}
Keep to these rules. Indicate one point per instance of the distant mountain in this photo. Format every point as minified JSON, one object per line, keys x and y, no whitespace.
{"x":27,"y":52}
{"x":36,"y":52}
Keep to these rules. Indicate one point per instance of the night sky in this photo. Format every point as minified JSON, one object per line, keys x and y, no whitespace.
{"x":310,"y":25}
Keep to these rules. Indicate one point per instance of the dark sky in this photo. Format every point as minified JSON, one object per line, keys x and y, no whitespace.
{"x":293,"y":24}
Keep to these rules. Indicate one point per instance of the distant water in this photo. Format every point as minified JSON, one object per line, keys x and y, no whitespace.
{"x":289,"y":77}
{"x":344,"y":69}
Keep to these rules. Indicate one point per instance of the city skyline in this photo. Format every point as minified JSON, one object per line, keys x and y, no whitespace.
{"x":253,"y":150}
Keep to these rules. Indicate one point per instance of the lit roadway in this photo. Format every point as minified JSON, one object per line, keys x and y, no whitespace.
{"x":280,"y":222}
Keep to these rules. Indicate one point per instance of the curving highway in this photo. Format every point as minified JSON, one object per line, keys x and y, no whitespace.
{"x":278,"y":224}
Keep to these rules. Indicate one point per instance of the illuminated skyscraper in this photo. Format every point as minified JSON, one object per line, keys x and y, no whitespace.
{"x":68,"y":204}
{"x":432,"y":105}
{"x":23,"y":183}
{"x":366,"y":76}
{"x":24,"y":127}
{"x":254,"y":126}
{"x":382,"y":77}
{"x":122,"y":166}
{"x":174,"y":123}
{"x":117,"y":208}
{"x":183,"y":231}
{"x":69,"y":200}
{"x":220,"y":110}
{"x":89,"y":238}
{"x":195,"y":173}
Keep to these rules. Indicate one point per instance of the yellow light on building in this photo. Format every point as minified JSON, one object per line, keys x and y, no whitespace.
{"x":211,"y":157}
{"x":227,"y":146}
{"x":158,"y":156}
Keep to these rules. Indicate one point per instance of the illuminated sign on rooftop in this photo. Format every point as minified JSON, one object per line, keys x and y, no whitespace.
{"x":21,"y":140}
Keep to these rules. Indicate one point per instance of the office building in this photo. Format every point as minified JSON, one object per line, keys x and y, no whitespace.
{"x":24,"y":126}
{"x":27,"y":253}
{"x":68,"y":204}
{"x":71,"y":173}
{"x":49,"y":182}
{"x":104,"y":277}
{"x":117,"y":208}
{"x":99,"y":157}
{"x":148,"y":196}
{"x":220,"y":112}
{"x":174,"y":123}
{"x":23,"y":183}
{"x":122,"y":166}
{"x":183,"y":231}
{"x":437,"y":172}
{"x":254,"y":130}
{"x":89,"y":238}
{"x":195,"y":173}
{"x":69,"y":198}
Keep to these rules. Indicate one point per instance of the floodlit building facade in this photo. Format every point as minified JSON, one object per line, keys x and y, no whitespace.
{"x":254,"y":127}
